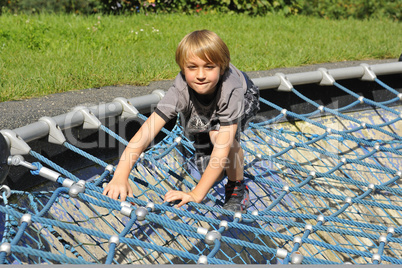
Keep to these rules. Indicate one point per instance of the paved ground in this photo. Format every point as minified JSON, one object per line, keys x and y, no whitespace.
{"x":15,"y":114}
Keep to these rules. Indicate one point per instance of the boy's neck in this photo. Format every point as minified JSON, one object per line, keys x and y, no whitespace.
{"x":205,"y":98}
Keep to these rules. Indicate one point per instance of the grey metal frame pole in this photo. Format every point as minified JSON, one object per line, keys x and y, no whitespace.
{"x":73,"y":119}
{"x":273,"y":82}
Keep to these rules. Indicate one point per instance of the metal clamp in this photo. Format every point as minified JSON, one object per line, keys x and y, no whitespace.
{"x":56,"y":136}
{"x":16,"y":143}
{"x":18,"y":160}
{"x":77,"y":188}
{"x":285,"y":84}
{"x":6,"y":189}
{"x":90,"y":120}
{"x":368,"y":74}
{"x":159,"y":92}
{"x":128,"y":110}
{"x":327,"y":79}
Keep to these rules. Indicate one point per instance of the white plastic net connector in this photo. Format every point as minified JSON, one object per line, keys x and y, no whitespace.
{"x":142,"y":155}
{"x":343,"y":160}
{"x":177,"y":140}
{"x":399,"y":96}
{"x":296,"y":258}
{"x":151,"y":206}
{"x":224,"y":224}
{"x":281,"y":253}
{"x":348,"y":200}
{"x":238,"y":215}
{"x":109,"y":168}
{"x":383,"y":239}
{"x":5,"y":247}
{"x":361,"y":99}
{"x":202,"y":260}
{"x":254,"y":213}
{"x":363,"y":125}
{"x":26,"y":218}
{"x":114,"y":239}
{"x":292,"y":144}
{"x":398,"y":173}
{"x":202,"y":231}
{"x":321,"y":108}
{"x":125,"y":204}
{"x":377,"y":146}
{"x":141,"y":213}
{"x":286,"y":188}
{"x":284,"y":111}
{"x":297,"y":239}
{"x":391,"y":230}
{"x":329,"y":130}
{"x":126,"y":211}
{"x":376,"y":257}
{"x":371,"y":186}
{"x":211,"y":236}
{"x":312,"y":174}
{"x":320,"y":218}
{"x":308,"y":227}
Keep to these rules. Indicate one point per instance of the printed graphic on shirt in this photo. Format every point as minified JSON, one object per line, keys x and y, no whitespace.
{"x":198,"y":122}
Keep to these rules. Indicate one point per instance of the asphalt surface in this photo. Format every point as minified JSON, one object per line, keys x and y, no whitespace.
{"x":15,"y":114}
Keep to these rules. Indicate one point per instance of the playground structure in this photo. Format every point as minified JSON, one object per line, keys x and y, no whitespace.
{"x":323,"y":185}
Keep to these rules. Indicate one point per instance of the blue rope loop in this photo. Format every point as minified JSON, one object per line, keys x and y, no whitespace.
{"x":313,"y":190}
{"x":38,"y":166}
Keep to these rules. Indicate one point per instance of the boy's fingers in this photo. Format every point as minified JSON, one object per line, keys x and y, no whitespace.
{"x":181,"y":203}
{"x":106,"y":190}
{"x":123,"y":196}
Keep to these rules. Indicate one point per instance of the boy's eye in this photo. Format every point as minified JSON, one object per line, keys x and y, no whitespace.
{"x":210,"y":66}
{"x":191,"y":67}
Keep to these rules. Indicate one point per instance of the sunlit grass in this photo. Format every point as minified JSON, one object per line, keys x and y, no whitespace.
{"x":45,"y":54}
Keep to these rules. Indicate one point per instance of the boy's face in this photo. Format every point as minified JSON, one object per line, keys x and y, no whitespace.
{"x":201,"y":76}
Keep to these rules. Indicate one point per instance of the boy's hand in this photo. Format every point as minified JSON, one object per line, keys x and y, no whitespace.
{"x":173,"y":195}
{"x":116,"y":188}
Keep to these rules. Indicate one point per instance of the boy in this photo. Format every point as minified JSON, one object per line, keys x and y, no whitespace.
{"x":215,"y":100}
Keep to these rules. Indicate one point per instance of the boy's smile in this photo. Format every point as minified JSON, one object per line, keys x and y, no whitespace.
{"x":202,"y":76}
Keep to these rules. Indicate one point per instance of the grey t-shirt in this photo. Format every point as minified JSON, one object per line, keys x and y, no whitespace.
{"x":224,"y":109}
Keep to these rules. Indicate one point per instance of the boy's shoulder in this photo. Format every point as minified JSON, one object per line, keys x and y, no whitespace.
{"x":233,"y":78}
{"x":180,"y":83}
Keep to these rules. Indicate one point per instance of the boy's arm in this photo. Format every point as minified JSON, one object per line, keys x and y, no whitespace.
{"x":119,"y":185}
{"x":219,"y":159}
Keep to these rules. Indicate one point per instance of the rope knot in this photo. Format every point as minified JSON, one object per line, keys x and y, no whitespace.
{"x":36,"y":171}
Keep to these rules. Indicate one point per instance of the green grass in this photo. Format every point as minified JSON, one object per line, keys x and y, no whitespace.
{"x":46,"y":54}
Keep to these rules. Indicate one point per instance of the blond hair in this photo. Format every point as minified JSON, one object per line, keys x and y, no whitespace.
{"x":206,"y":45}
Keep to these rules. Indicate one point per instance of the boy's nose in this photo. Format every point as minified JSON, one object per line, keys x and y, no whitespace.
{"x":201,"y":73}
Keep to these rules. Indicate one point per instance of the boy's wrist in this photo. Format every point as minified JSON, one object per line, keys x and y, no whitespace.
{"x":120,"y":177}
{"x":196,"y":197}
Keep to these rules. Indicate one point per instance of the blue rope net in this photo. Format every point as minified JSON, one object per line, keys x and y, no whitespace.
{"x":323,"y":190}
